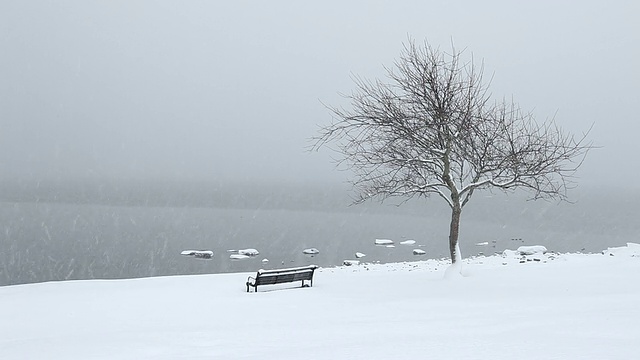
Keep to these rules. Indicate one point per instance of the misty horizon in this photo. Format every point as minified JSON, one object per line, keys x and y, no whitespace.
{"x":227,"y":91}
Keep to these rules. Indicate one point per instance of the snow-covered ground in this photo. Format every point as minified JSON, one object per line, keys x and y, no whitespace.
{"x":540,"y":306}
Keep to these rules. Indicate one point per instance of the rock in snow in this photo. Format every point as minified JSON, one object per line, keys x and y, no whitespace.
{"x":383,"y":242}
{"x":482,"y":243}
{"x":239,"y":257}
{"x":350,"y":262}
{"x":360,"y":255}
{"x":418,"y":252}
{"x":311,"y":251}
{"x":408,"y":242}
{"x":530,"y":250}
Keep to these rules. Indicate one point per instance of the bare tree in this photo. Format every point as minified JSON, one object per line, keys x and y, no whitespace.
{"x":433,"y":129}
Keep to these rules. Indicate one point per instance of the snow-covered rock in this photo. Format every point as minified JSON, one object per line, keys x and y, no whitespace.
{"x":531,"y":250}
{"x":390,"y":246}
{"x":239,"y":257}
{"x":249,"y":252}
{"x":383,"y":242}
{"x":350,"y":262}
{"x":632,"y":249}
{"x":360,"y":255}
{"x":419,"y":252}
{"x":198,"y":254}
{"x":510,"y":253}
{"x":485,"y":243}
{"x":265,"y":260}
{"x":408,"y":242}
{"x":311,"y":251}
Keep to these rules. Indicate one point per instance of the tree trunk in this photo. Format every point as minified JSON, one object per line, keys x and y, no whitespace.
{"x":454,"y":231}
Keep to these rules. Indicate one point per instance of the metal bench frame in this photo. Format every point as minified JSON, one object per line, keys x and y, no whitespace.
{"x":280,"y":276}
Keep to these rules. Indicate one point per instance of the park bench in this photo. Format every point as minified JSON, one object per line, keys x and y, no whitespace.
{"x":279,"y":276}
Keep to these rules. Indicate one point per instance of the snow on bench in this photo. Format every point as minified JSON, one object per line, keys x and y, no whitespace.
{"x":280,"y":276}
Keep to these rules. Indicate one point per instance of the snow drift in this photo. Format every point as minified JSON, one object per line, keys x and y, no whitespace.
{"x":565,"y":306}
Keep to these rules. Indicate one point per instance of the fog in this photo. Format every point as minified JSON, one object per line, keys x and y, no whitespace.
{"x":132,"y":130}
{"x":228,"y":90}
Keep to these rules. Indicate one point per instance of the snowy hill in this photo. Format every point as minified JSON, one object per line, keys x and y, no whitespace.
{"x":561,"y":306}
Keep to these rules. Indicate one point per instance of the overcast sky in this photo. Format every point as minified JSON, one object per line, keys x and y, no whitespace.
{"x":233,"y":89}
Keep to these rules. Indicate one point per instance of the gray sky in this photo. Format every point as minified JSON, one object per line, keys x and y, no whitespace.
{"x":232,"y":89}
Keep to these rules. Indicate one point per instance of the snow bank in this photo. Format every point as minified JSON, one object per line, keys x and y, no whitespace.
{"x":576,"y":306}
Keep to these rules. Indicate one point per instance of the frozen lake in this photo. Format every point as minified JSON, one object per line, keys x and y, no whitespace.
{"x":88,"y":231}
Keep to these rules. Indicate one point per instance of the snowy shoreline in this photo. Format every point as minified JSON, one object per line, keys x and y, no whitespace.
{"x":506,"y":258}
{"x":565,"y":306}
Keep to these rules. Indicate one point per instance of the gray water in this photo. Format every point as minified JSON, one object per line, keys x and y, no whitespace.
{"x":90,"y":230}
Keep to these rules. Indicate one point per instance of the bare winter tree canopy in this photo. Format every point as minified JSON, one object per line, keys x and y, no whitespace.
{"x":433,"y":129}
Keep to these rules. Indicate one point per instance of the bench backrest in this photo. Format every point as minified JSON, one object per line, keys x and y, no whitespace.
{"x":274,"y":271}
{"x":270,"y":277}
